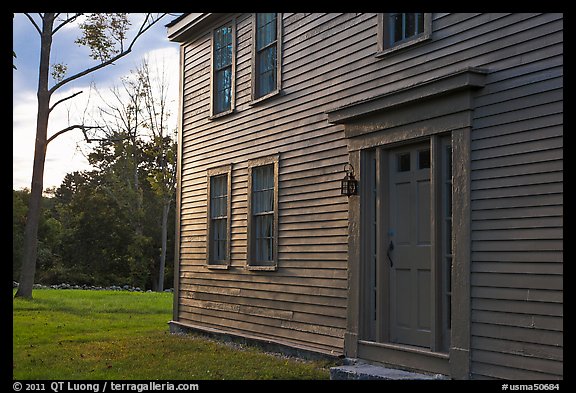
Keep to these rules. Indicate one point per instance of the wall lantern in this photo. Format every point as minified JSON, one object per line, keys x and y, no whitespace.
{"x":349,"y":185}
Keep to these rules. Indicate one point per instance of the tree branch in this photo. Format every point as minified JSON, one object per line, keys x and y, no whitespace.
{"x":84,"y":129}
{"x":64,"y":99}
{"x":65,"y":22}
{"x":34,"y":23}
{"x":143,"y":28}
{"x":70,"y":128}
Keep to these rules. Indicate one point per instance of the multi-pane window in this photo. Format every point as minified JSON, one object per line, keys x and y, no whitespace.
{"x":218,"y":217}
{"x":398,"y":30}
{"x":266,"y":47}
{"x":403,"y":26}
{"x":263,"y":214}
{"x":223,"y":49}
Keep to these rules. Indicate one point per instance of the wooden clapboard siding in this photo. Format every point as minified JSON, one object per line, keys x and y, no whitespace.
{"x":517,"y":213}
{"x":303,"y":303}
{"x":328,"y":61}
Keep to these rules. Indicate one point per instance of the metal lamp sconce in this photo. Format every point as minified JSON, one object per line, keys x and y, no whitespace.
{"x":349,"y":185}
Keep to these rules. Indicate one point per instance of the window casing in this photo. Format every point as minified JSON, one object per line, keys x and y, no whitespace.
{"x":263,"y":214}
{"x":223,"y":69}
{"x":218,"y":209}
{"x":267,"y":55}
{"x":397,"y":31}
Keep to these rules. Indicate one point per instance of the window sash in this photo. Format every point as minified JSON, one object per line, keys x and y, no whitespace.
{"x":223,"y":90}
{"x":264,"y":237}
{"x":263,"y":190}
{"x":404,"y":26}
{"x":219,"y":239}
{"x":266,"y":30}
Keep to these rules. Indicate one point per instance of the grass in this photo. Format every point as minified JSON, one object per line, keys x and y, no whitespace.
{"x":79,"y":334}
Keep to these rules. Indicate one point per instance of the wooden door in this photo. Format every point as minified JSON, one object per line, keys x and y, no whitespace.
{"x":409,"y":249}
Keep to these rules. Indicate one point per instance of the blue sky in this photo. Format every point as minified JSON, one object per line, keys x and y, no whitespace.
{"x":65,"y":154}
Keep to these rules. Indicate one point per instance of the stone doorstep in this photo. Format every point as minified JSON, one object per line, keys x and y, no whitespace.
{"x":358,"y":370}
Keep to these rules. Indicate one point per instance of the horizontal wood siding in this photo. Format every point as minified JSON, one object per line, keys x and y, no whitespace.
{"x":517,"y":213}
{"x":303,"y":303}
{"x":328,"y":61}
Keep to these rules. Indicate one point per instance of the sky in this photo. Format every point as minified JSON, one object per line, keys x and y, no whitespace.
{"x":67,"y":153}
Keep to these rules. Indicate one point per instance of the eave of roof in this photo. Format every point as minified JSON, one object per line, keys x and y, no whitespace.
{"x":183,"y":27}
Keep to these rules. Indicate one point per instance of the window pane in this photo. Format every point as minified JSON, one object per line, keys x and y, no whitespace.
{"x":223,"y":90}
{"x":410,"y":28}
{"x":263,"y":201}
{"x":404,"y":162}
{"x":266,"y":71}
{"x":263,"y":189}
{"x":396,"y":28}
{"x":424,"y":159}
{"x":263,"y":177}
{"x":265,"y":29}
{"x":420,"y":23}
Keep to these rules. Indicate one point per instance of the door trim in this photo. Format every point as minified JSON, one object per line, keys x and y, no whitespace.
{"x":452,"y":115}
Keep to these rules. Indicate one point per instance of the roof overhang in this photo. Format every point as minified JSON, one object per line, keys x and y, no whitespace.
{"x":183,"y":27}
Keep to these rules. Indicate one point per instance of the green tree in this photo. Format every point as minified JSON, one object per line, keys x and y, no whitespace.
{"x":19,"y":211}
{"x":136,"y":124}
{"x":106,"y":36}
{"x":95,"y":241}
{"x":49,"y":231}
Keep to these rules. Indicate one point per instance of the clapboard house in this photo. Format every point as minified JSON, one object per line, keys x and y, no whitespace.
{"x":446,"y":257}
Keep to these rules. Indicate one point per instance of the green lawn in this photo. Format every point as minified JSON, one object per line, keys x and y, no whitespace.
{"x":79,"y":334}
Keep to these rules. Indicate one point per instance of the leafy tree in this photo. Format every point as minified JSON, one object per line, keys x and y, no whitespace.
{"x":19,"y":210}
{"x":49,"y":232}
{"x":106,"y":36}
{"x":136,"y":124}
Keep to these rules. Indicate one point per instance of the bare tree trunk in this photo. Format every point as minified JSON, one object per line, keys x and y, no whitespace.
{"x":165,"y":211}
{"x":31,"y":231}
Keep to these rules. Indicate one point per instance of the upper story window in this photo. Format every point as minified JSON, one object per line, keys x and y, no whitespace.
{"x":400,"y":30}
{"x":267,"y":55}
{"x":223,"y":54}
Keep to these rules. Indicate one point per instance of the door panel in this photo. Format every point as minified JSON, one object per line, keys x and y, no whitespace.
{"x":410,"y":270}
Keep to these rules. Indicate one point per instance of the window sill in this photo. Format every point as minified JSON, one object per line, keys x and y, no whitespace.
{"x":218,"y":267}
{"x":221,"y":114}
{"x":403,"y":46}
{"x":262,"y":267}
{"x":267,"y":97}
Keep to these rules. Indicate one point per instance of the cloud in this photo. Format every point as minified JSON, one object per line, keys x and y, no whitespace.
{"x":65,"y":153}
